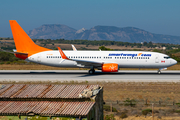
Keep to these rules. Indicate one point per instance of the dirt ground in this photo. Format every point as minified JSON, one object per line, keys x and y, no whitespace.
{"x":164,"y":96}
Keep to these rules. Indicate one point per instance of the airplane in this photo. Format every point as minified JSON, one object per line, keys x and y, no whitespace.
{"x":106,"y":61}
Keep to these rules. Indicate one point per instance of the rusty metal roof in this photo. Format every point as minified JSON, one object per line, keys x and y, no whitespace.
{"x":45,"y":108}
{"x":42,"y":91}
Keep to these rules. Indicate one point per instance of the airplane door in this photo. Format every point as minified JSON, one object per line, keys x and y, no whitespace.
{"x":157,"y":59}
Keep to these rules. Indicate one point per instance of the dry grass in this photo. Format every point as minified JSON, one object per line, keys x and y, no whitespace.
{"x":96,"y":47}
{"x":148,"y":118}
{"x":32,"y":67}
{"x":175,"y":67}
{"x":166,"y":93}
{"x":142,"y":91}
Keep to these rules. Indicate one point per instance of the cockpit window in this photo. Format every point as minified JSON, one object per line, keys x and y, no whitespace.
{"x":166,"y":57}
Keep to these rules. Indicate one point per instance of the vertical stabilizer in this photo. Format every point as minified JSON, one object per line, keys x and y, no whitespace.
{"x":23,"y":42}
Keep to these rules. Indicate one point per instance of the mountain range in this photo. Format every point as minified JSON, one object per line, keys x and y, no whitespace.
{"x":125,"y":34}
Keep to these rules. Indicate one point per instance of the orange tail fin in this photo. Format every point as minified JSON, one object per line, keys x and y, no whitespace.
{"x":23,"y":42}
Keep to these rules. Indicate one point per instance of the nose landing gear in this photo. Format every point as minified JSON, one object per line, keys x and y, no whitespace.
{"x":159,"y":71}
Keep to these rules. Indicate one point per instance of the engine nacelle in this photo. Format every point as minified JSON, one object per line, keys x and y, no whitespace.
{"x":110,"y":67}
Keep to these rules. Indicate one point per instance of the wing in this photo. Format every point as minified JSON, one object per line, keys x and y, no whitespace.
{"x":80,"y":62}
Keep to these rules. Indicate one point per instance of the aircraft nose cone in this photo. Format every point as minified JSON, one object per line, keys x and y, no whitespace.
{"x":173,"y":61}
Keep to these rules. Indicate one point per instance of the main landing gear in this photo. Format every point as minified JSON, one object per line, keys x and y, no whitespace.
{"x":91,"y":71}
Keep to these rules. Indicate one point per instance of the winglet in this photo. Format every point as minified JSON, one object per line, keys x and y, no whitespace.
{"x":62,"y":54}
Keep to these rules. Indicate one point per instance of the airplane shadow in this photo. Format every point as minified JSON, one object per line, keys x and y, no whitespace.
{"x":85,"y":74}
{"x":130,"y":73}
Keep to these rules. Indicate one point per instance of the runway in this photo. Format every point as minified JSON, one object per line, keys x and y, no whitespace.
{"x":82,"y":76}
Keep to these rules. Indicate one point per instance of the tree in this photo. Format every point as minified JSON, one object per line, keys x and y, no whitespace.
{"x":104,"y":48}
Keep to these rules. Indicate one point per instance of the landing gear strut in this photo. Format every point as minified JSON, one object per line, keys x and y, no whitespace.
{"x":159,"y":72}
{"x":91,"y":71}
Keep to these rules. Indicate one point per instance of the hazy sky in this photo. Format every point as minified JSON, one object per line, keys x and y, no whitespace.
{"x":156,"y":16}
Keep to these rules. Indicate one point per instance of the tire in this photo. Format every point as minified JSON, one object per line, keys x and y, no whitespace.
{"x":159,"y":72}
{"x":91,"y":72}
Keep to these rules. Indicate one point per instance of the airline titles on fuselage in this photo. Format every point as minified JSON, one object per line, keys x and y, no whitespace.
{"x":130,"y":55}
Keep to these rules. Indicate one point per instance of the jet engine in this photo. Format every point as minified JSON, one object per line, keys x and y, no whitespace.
{"x":110,"y":67}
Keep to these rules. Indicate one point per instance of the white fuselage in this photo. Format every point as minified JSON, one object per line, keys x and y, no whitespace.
{"x":125,"y":59}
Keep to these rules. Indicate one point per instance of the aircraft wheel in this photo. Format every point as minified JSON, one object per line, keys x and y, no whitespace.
{"x":91,"y":72}
{"x":159,"y":72}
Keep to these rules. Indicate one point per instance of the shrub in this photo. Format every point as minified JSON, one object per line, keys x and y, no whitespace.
{"x":8,"y":62}
{"x":178,"y":104}
{"x":177,"y":111}
{"x":123,"y":115}
{"x":109,"y":117}
{"x":107,"y":108}
{"x":129,"y":102}
{"x":146,"y":111}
